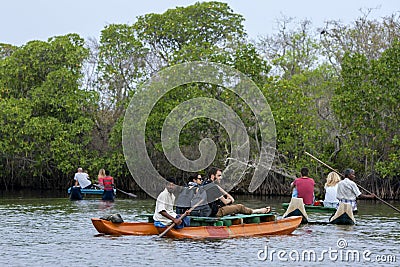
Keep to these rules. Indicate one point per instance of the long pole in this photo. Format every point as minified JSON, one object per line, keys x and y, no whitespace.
{"x":129,"y":194}
{"x":126,"y":193}
{"x":326,"y":165}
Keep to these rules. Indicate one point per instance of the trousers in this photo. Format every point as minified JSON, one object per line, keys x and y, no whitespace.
{"x":233,"y":209}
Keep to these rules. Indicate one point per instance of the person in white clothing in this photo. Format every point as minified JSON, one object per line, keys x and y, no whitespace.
{"x":82,"y":179}
{"x":164,"y":213}
{"x":348,"y":192}
{"x":331,"y":185}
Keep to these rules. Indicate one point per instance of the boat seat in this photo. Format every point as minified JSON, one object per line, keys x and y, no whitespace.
{"x":231,"y":219}
{"x":223,"y":221}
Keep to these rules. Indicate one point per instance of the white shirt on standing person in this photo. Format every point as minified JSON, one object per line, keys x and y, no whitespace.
{"x":82,"y":179}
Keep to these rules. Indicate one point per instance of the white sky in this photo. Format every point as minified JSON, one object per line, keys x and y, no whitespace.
{"x":25,"y":20}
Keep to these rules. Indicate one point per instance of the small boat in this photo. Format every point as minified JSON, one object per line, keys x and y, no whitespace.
{"x":296,"y":208}
{"x":124,"y":228}
{"x":207,"y":227}
{"x":312,"y":208}
{"x":343,"y":215}
{"x":77,"y":193}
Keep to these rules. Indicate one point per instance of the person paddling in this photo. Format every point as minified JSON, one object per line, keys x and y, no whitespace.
{"x":164,"y":213}
{"x":348,"y":192}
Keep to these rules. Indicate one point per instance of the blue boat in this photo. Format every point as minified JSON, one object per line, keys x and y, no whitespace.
{"x":77,"y":193}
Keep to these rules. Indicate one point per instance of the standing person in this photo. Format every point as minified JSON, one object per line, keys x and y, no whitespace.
{"x":348,"y":192}
{"x":108,"y":186}
{"x":82,"y":179}
{"x":305,"y":187}
{"x":220,"y":201}
{"x":164,"y":213}
{"x":331,"y":186}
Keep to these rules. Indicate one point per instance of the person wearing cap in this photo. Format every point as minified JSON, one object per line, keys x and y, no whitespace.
{"x":348,"y":192}
{"x":164,"y":213}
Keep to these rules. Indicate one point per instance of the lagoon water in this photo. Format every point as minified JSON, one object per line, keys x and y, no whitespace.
{"x":54,"y":231}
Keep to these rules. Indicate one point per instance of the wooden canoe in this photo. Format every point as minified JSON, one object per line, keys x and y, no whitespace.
{"x":91,"y":191}
{"x":311,"y":208}
{"x":296,"y":208}
{"x":343,"y":215}
{"x":125,"y":228}
{"x":280,"y":227}
{"x":237,"y":228}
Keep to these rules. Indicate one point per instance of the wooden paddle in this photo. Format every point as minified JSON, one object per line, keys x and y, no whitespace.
{"x":129,"y":194}
{"x":183,"y":216}
{"x":126,"y":193}
{"x":393,"y":207}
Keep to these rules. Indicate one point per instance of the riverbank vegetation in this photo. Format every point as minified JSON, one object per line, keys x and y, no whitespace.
{"x":333,"y":90}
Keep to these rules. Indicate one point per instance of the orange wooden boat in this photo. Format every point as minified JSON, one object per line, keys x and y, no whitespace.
{"x":125,"y":228}
{"x":279,"y":227}
{"x":237,"y":228}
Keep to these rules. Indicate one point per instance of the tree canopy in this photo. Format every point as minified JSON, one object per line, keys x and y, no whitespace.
{"x":333,"y":91}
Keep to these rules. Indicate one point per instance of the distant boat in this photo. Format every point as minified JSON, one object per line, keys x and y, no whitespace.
{"x":207,"y":227}
{"x":77,"y":193}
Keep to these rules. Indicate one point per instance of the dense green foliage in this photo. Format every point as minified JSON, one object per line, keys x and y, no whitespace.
{"x":63,"y":101}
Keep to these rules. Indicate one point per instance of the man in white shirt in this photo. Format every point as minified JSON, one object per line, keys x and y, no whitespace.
{"x":82,"y":179}
{"x":347,"y":190}
{"x":164,"y":213}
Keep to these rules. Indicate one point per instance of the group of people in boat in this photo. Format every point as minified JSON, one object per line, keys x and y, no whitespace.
{"x":210,"y":197}
{"x":336,"y":189}
{"x":104,"y":181}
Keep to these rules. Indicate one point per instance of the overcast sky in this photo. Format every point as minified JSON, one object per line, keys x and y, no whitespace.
{"x":25,"y":20}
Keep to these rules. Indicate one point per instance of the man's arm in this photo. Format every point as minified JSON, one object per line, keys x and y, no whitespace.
{"x":226,"y":198}
{"x":177,"y":221}
{"x":372,"y":196}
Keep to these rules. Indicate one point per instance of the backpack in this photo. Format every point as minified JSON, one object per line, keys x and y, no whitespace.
{"x":189,"y":197}
{"x":203,"y":209}
{"x":182,"y":202}
{"x":114,"y":218}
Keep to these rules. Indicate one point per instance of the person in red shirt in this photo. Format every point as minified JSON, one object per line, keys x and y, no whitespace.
{"x":305,"y":187}
{"x":108,"y":186}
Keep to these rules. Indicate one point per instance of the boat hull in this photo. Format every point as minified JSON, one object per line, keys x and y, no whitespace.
{"x":77,"y":193}
{"x":278,"y":227}
{"x":125,"y":228}
{"x":311,"y":208}
{"x":91,"y":191}
{"x":343,"y":219}
{"x":344,"y":215}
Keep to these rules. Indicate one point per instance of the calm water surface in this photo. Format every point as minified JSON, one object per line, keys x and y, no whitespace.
{"x":48,"y":231}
